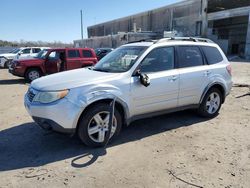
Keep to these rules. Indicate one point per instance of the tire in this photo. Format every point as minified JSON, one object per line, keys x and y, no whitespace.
{"x":211,"y":103}
{"x":6,"y":64}
{"x":32,"y":74}
{"x":88,"y":123}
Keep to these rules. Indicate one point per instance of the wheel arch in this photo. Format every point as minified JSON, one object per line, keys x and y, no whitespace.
{"x":217,"y":85}
{"x":119,"y":105}
{"x":33,"y":67}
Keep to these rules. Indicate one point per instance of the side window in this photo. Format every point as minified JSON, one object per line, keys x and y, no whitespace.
{"x":212,"y":54}
{"x":73,"y":54}
{"x":87,"y":53}
{"x":189,"y":56}
{"x":54,"y":55}
{"x":159,"y":59}
{"x":36,"y":50}
{"x":26,"y":51}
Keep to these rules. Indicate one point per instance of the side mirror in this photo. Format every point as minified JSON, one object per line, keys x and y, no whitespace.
{"x":144,"y":79}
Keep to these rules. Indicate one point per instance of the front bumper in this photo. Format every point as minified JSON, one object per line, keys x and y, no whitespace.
{"x":16,"y":71}
{"x":2,"y":61}
{"x":61,"y":116}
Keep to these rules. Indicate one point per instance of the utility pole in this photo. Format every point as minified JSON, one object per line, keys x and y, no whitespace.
{"x":81,"y":26}
{"x":204,"y":20}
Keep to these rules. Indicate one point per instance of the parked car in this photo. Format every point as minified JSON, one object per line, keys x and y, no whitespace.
{"x":145,"y":79}
{"x":101,"y":52}
{"x":19,"y":53}
{"x":50,"y":61}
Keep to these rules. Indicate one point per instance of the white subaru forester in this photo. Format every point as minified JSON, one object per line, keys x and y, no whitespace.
{"x":144,"y":78}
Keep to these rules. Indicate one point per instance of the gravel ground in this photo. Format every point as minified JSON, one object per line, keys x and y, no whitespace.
{"x":174,"y":150}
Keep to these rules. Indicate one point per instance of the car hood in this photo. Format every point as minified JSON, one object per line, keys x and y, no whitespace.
{"x":29,"y":60}
{"x":72,"y":79}
{"x":8,"y":55}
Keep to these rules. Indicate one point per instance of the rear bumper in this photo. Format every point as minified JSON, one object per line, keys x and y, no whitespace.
{"x":229,"y":87}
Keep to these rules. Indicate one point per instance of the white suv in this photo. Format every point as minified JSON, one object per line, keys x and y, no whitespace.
{"x":144,"y":79}
{"x":19,"y":53}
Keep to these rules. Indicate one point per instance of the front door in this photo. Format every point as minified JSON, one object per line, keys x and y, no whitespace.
{"x":52,"y":62}
{"x":162,"y":93}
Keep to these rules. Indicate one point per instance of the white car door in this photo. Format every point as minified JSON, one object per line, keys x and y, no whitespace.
{"x":35,"y":51}
{"x":25,"y":53}
{"x":194,"y":74}
{"x":162,"y":93}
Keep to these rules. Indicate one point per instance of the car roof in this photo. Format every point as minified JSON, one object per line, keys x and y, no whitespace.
{"x":139,"y":44}
{"x":175,"y":41}
{"x":56,"y":48}
{"x":104,"y":48}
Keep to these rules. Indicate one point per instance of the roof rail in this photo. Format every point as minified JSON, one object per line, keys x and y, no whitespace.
{"x":193,"y":39}
{"x":143,"y":40}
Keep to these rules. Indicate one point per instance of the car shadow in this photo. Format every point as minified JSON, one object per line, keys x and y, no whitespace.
{"x":12,"y":82}
{"x":27,"y":145}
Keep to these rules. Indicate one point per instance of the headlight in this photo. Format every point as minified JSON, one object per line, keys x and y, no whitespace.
{"x":48,"y":97}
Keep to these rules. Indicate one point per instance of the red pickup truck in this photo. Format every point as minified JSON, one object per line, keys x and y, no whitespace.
{"x":51,"y":61}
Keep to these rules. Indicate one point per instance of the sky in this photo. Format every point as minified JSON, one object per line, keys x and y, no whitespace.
{"x":59,"y":20}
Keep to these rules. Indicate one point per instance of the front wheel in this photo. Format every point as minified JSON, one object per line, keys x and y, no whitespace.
{"x":7,"y":64}
{"x":32,"y":74}
{"x":211,"y":103}
{"x":94,"y":125}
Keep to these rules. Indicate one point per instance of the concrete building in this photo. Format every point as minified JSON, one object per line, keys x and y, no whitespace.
{"x":227,"y":22}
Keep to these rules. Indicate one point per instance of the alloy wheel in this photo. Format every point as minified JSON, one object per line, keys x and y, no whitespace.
{"x":98,"y":126}
{"x":33,"y":75}
{"x":213,"y":103}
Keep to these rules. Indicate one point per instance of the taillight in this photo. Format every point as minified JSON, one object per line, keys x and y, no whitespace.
{"x":229,"y":70}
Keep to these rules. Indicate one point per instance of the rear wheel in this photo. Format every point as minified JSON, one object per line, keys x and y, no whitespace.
{"x":94,"y":125}
{"x":211,"y":103}
{"x":32,"y":74}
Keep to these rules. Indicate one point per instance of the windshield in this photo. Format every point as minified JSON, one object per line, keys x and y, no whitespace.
{"x":15,"y":51}
{"x":42,"y":54}
{"x":120,"y":60}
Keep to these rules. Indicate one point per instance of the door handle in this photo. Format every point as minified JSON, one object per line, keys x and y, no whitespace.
{"x":207,"y":73}
{"x":173,"y":78}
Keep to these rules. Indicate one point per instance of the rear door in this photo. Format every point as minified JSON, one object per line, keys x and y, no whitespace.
{"x":73,"y":59}
{"x":194,"y":74}
{"x":88,"y":58}
{"x":35,"y":51}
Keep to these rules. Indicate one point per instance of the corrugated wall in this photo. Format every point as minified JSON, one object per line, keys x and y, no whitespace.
{"x":182,"y":17}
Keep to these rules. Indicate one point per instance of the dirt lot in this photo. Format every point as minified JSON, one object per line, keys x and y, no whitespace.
{"x":174,"y":150}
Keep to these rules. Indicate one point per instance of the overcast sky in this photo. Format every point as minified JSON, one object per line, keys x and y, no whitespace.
{"x":50,"y":20}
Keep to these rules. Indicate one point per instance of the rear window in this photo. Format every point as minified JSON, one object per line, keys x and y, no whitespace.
{"x":189,"y":56}
{"x":87,"y":53}
{"x":212,"y":55}
{"x":73,"y":54}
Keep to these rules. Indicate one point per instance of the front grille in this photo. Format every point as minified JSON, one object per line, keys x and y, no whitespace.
{"x":30,"y":95}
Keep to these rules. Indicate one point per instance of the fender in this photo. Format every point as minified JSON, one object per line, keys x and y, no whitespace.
{"x":105,"y":92}
{"x":210,"y":86}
